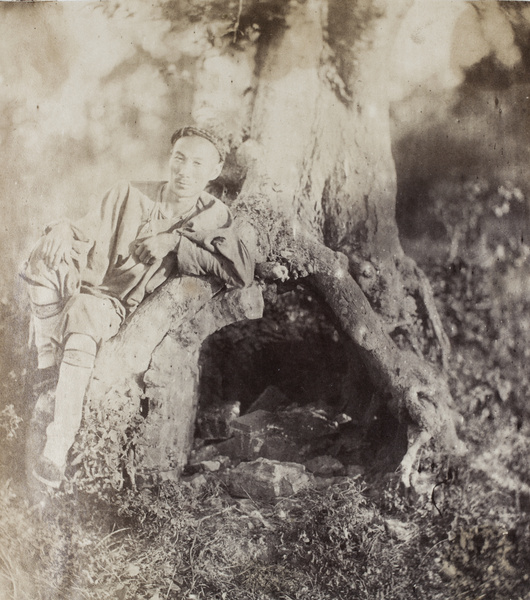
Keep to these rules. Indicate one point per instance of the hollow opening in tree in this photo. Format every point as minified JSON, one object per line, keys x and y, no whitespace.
{"x":293,"y":366}
{"x":316,"y":183}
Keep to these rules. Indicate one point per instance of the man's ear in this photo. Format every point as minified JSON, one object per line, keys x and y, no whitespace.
{"x":217,"y":170}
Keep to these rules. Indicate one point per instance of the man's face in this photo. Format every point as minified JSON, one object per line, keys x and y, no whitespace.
{"x":193,"y":163}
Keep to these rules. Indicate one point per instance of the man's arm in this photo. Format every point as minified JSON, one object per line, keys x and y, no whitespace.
{"x":228,"y":259}
{"x":217,"y":252}
{"x":149,"y":250}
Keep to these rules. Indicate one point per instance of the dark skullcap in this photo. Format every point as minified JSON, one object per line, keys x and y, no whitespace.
{"x":216,"y":139}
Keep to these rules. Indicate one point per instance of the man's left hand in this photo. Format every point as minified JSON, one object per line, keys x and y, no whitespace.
{"x":151,"y":249}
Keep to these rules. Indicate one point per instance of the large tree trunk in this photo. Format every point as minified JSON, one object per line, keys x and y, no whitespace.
{"x":320,"y":139}
{"x":321,"y":122}
{"x":319,"y":193}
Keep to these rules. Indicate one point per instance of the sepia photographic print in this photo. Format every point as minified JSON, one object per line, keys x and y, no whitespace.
{"x":265,"y":300}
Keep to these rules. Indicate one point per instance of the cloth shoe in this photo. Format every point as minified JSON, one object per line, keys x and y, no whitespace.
{"x":48,"y":473}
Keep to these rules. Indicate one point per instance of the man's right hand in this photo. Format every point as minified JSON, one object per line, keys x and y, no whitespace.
{"x":149,"y":250}
{"x":56,"y":245}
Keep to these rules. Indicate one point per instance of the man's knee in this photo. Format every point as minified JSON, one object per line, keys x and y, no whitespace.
{"x":42,"y":284}
{"x":47,"y":285}
{"x":91,"y":316}
{"x":35,"y":269}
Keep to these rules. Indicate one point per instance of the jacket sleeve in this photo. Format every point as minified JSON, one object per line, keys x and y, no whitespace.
{"x":230,"y":260}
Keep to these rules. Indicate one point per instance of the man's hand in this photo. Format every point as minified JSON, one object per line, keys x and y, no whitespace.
{"x":206,"y":239}
{"x":56,"y":245}
{"x":151,"y":249}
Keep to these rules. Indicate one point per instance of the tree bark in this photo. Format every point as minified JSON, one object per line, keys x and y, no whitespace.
{"x":319,"y":193}
{"x":323,"y":180}
{"x":128,"y":354}
{"x":172,"y":381}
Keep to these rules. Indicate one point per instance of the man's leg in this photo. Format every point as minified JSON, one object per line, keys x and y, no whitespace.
{"x":98,"y":320}
{"x":46,"y":308}
{"x":48,"y":291}
{"x":74,"y":376}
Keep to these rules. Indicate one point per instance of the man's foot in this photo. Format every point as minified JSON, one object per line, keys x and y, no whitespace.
{"x":48,"y":473}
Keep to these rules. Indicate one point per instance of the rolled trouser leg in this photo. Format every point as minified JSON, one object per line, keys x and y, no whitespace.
{"x":48,"y":291}
{"x":46,"y":308}
{"x":86,"y":322}
{"x":74,"y":376}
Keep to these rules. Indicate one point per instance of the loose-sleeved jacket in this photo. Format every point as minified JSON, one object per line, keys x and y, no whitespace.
{"x":105,"y":240}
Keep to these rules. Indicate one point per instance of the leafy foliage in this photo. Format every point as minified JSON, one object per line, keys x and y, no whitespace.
{"x":9,"y":422}
{"x":106,"y":450}
{"x":481,"y":291}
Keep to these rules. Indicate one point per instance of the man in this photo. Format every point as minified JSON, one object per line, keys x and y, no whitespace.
{"x":85,"y":277}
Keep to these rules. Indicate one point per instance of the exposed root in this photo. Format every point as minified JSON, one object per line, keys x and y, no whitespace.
{"x":400,"y":291}
{"x":421,"y":398}
{"x":420,"y":395}
{"x":417,"y":439}
{"x":424,"y":294}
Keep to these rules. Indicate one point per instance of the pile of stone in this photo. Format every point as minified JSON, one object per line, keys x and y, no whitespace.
{"x":274,"y":450}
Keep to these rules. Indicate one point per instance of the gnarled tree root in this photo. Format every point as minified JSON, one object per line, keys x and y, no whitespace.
{"x":420,"y":288}
{"x":420,"y":395}
{"x":158,"y":351}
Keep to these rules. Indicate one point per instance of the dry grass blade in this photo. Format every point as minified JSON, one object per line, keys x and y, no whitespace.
{"x":110,"y":535}
{"x":8,"y":572}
